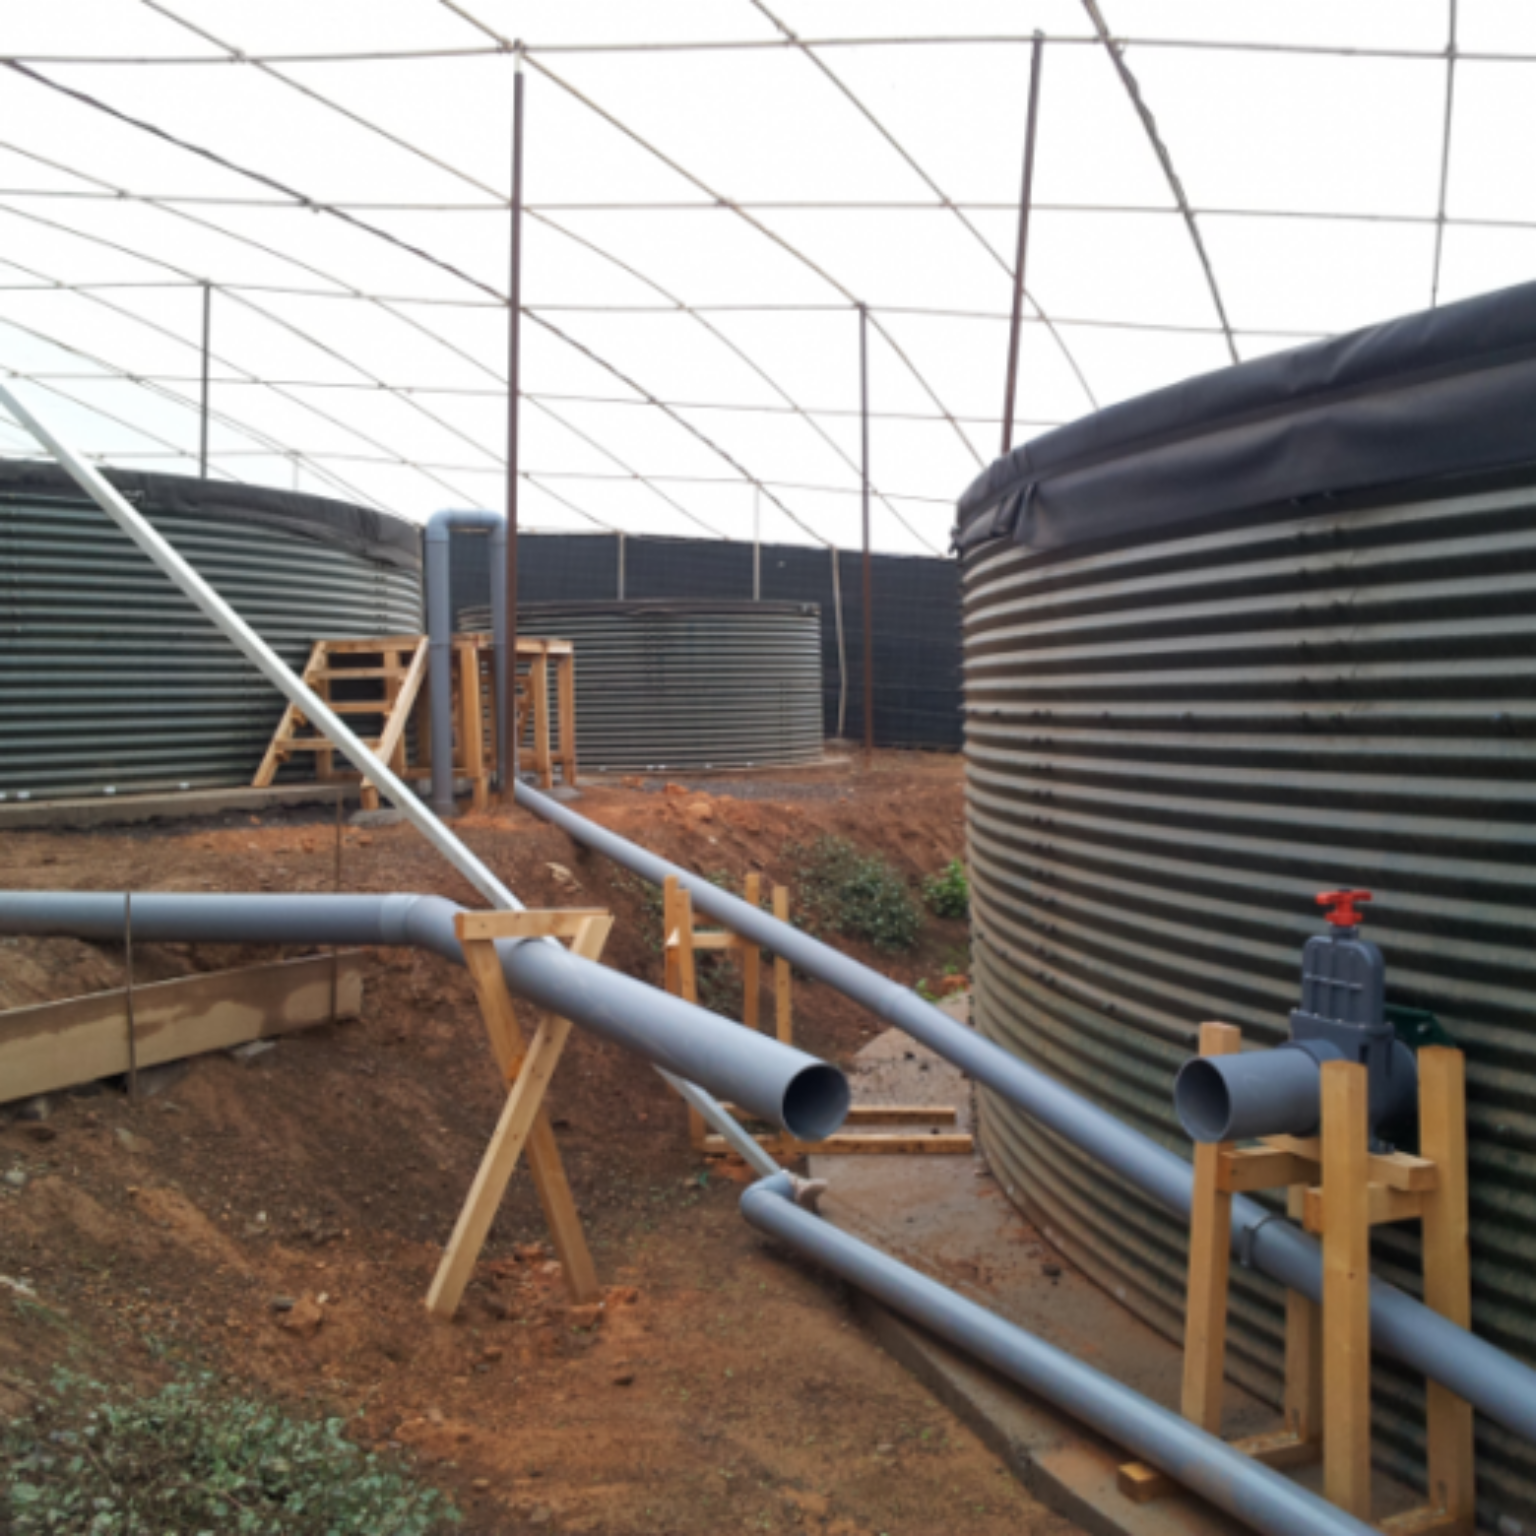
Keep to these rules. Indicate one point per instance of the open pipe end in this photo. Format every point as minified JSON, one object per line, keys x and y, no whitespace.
{"x":1202,"y":1101}
{"x":815,"y":1102}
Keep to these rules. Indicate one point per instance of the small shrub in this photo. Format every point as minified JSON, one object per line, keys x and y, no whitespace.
{"x":187,"y":1459}
{"x":948,"y":893}
{"x":840,"y":890}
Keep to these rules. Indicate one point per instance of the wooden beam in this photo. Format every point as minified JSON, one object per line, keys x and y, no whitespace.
{"x":1210,"y":1257}
{"x":1302,"y":1403}
{"x":1248,"y":1168}
{"x":565,"y":683}
{"x":538,"y":684}
{"x":563,"y":924}
{"x":884,"y":1114}
{"x":751,"y":957}
{"x":1447,"y":1271}
{"x":512,"y":1131}
{"x":1397,"y":1170}
{"x":1142,"y":1484}
{"x":57,"y":1045}
{"x":1382,"y":1205}
{"x":399,"y":707}
{"x":784,"y":1024}
{"x":512,"y":1134}
{"x":939,"y":1144}
{"x":1346,"y":1289}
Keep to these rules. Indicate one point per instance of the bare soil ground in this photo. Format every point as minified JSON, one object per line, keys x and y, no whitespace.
{"x":724,"y":1387}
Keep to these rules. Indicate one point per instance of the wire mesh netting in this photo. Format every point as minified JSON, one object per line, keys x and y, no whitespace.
{"x":310,"y":207}
{"x":915,"y":614}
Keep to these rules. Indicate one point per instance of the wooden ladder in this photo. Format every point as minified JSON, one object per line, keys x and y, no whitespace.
{"x":395,"y":667}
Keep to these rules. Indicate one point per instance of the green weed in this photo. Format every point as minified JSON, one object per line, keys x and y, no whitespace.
{"x":190,"y":1459}
{"x":838,"y":889}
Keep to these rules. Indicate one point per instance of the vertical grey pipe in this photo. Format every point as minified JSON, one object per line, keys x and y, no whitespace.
{"x":1231,"y":1481}
{"x":1494,"y":1382}
{"x":437,"y":544}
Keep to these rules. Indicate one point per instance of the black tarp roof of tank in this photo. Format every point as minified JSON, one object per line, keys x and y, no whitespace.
{"x":1449,"y":392}
{"x":362,"y":531}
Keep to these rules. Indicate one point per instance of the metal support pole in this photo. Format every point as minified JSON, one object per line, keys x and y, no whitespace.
{"x":1026,"y":197}
{"x":757,"y":545}
{"x":133,"y":1027}
{"x":202,"y":450}
{"x":506,"y":756}
{"x":336,"y":890}
{"x":869,"y":620}
{"x":621,"y":567}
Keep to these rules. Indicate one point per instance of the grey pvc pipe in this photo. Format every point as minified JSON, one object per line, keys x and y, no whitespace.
{"x":1244,"y":1488}
{"x":1257,"y":1093}
{"x":807,"y":1097}
{"x":437,"y":545}
{"x":1494,"y":1382}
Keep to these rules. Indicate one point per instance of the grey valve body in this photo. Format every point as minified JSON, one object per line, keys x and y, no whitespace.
{"x":1342,"y":1017}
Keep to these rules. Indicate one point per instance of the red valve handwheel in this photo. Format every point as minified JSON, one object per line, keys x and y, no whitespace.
{"x":1341,"y":906}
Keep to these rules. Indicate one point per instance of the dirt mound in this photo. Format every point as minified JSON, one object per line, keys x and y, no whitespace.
{"x":280,"y":1220}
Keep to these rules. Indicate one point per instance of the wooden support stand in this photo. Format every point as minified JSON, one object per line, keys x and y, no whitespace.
{"x":682,"y":943}
{"x":386,"y":685}
{"x":528,"y":1068}
{"x":1338,"y":1189}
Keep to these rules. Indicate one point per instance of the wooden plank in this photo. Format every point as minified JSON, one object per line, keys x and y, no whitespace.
{"x":1425,"y":1520}
{"x":513,"y":1129}
{"x":1397,"y":1170}
{"x":560,"y":923}
{"x":1142,"y":1484}
{"x":471,"y":724}
{"x":369,"y":645}
{"x":275,"y":755}
{"x":1447,"y":1271}
{"x":686,"y":978}
{"x":784,"y":1023}
{"x":885,"y":1114}
{"x":1346,"y":1290}
{"x":718,"y":939}
{"x":56,"y":1045}
{"x":554,"y":1190}
{"x":543,"y":1153}
{"x":565,"y":686}
{"x":751,"y":958}
{"x":939,"y":1144}
{"x":1302,"y":1403}
{"x":538,"y":686}
{"x":1248,"y":1168}
{"x":1210,"y":1257}
{"x":403,"y":700}
{"x":1382,"y":1205}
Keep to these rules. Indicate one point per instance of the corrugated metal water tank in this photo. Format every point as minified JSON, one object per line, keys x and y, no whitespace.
{"x":672,"y":685}
{"x":1174,"y":742}
{"x":110,"y":678}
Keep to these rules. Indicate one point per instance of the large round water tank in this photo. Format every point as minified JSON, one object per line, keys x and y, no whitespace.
{"x":1228,"y":647}
{"x":664,"y":685}
{"x":111,"y":678}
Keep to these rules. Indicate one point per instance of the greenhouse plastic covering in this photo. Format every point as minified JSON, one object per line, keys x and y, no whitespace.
{"x":714,"y":189}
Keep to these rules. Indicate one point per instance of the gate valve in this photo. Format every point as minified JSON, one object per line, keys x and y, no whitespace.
{"x":1341,"y":907}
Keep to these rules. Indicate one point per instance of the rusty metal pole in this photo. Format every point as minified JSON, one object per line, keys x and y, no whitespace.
{"x":202,"y":450}
{"x":506,"y":747}
{"x":869,"y":623}
{"x":1026,"y":197}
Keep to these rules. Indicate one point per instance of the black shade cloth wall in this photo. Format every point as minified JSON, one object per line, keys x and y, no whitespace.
{"x":916,"y":613}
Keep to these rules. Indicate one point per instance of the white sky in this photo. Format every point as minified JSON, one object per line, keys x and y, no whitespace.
{"x":351,"y":215}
